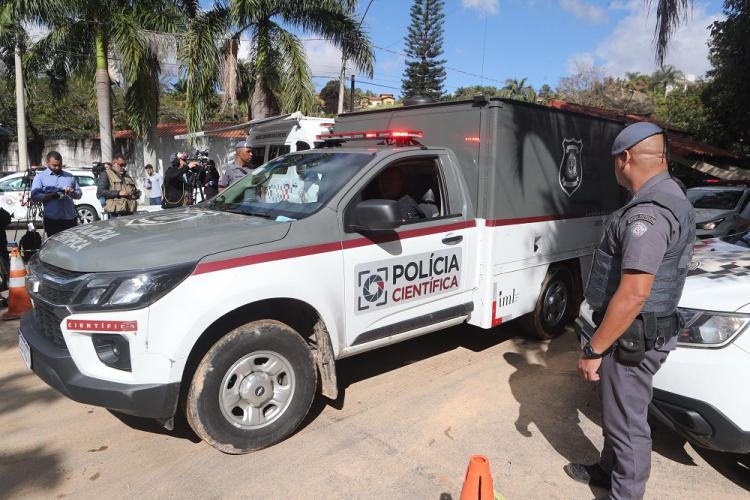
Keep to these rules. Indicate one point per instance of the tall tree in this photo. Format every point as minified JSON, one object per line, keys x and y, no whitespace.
{"x":729,"y":51}
{"x":277,"y":77}
{"x":666,"y":75}
{"x":669,"y":15}
{"x":105,"y":38}
{"x":517,"y":89}
{"x":425,"y":74}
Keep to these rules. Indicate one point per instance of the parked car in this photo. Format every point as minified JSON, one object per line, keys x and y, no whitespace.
{"x":4,"y":173}
{"x":701,"y":391}
{"x":15,"y":190}
{"x":718,"y":208}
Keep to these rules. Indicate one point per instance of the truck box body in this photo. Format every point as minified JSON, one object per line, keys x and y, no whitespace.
{"x":239,"y":305}
{"x":273,"y":139}
{"x":512,"y":155}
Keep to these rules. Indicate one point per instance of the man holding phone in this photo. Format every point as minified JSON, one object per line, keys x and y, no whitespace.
{"x":56,"y":190}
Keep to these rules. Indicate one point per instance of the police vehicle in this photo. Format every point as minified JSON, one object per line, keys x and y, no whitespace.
{"x":718,"y":206}
{"x":700,"y":392}
{"x":310,"y":260}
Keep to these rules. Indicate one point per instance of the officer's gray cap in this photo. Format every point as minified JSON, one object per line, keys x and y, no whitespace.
{"x":242,"y":144}
{"x":634,"y":134}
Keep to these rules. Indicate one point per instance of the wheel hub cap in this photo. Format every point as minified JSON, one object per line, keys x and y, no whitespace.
{"x":256,"y":389}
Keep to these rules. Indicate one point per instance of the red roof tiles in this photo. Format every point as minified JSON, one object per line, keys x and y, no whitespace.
{"x":173,"y":129}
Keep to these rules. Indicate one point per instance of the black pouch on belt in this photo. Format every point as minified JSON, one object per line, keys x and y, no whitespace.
{"x":631,"y":346}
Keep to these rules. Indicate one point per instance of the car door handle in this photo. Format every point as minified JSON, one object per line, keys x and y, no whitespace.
{"x":452,"y":240}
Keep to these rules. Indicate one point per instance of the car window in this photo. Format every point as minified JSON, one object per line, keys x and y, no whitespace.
{"x":745,"y":201}
{"x":721,"y":200}
{"x":84,"y":180}
{"x":276,"y":151}
{"x":15,"y":184}
{"x":259,"y":154}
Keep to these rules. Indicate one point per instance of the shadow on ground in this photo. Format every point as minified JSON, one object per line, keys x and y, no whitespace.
{"x":22,"y":470}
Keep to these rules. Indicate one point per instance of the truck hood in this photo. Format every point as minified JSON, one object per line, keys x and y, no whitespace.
{"x":709,"y":214}
{"x":173,"y":236}
{"x":719,"y":277}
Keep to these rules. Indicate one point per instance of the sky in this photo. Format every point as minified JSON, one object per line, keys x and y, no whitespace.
{"x":489,"y":41}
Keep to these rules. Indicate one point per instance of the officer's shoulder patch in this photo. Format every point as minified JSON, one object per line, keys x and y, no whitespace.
{"x":638,"y":229}
{"x":644,"y":217}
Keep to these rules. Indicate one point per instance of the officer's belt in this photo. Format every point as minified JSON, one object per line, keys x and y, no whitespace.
{"x":664,"y":327}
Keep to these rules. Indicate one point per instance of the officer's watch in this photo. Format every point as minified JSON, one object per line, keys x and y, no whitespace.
{"x":590,"y":353}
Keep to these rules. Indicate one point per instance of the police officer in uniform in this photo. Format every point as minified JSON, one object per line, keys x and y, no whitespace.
{"x":635,"y":284}
{"x":239,"y":168}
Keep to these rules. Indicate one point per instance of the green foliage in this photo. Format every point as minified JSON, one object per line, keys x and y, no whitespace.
{"x":517,"y":89}
{"x":463,"y":93}
{"x":329,"y":97}
{"x":727,"y":95}
{"x":424,"y":74}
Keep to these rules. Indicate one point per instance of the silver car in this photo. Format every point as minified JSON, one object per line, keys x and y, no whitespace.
{"x":717,"y":209}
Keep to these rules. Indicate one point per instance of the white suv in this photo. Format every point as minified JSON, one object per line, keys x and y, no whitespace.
{"x":16,"y":188}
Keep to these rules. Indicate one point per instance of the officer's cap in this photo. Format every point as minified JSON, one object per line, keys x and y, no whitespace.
{"x":634,"y":134}
{"x":242,"y":144}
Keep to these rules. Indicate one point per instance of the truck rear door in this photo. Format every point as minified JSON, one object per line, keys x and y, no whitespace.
{"x":419,"y":276}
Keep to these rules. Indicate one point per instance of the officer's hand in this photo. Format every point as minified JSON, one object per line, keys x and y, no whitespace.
{"x":587,"y":368}
{"x":124,"y":193}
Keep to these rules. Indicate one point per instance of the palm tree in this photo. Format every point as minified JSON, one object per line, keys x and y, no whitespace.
{"x":104,"y":38}
{"x":669,"y":15}
{"x":517,"y":89}
{"x":667,"y":75}
{"x":276,"y":77}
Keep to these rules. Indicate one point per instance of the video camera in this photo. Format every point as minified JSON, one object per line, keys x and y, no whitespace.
{"x":202,"y":158}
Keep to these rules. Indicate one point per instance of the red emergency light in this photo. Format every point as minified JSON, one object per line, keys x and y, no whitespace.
{"x":372,"y":135}
{"x":737,"y":182}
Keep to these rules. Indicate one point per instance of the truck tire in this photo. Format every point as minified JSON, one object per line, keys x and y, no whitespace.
{"x":553,"y":307}
{"x":252,"y":388}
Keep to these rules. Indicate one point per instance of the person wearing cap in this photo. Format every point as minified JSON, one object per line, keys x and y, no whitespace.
{"x":239,"y":168}
{"x":154,"y":183}
{"x":175,"y":189}
{"x":117,"y":189}
{"x":634,"y":286}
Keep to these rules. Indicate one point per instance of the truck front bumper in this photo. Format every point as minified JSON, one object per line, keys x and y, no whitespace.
{"x":56,"y":367}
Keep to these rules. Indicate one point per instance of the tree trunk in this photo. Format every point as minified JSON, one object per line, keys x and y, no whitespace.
{"x":23,"y":144}
{"x":259,"y":104}
{"x":150,"y":140}
{"x":103,"y":98}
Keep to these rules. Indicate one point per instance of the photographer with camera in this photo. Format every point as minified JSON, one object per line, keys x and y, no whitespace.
{"x":210,"y":179}
{"x":118,"y":190}
{"x":176,"y":189}
{"x":239,"y":168}
{"x":56,"y":190}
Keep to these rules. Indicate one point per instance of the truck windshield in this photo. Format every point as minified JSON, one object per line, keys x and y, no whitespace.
{"x":292,"y":186}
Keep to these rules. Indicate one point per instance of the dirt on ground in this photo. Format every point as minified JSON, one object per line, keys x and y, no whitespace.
{"x":407,"y":420}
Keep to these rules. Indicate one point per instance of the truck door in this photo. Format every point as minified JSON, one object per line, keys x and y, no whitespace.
{"x":420,"y":275}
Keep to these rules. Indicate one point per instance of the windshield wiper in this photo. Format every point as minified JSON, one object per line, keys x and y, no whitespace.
{"x":254,"y":214}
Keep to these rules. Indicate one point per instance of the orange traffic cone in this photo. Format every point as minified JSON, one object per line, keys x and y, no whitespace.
{"x":478,"y":480}
{"x":18,"y":299}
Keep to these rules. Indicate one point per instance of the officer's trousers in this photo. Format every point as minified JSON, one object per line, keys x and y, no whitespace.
{"x":624,"y":393}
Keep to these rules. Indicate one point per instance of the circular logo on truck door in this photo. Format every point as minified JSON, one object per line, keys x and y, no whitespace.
{"x":372,"y":289}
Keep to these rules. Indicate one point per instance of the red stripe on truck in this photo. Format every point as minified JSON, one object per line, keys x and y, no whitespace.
{"x":221,"y":265}
{"x":541,"y":218}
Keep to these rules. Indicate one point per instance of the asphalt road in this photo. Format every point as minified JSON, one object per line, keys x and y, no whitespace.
{"x":408,"y":418}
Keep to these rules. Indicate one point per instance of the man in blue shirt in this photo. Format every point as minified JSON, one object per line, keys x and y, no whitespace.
{"x":56,"y":190}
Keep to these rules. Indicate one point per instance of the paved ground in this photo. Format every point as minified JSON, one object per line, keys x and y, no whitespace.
{"x":407,"y":421}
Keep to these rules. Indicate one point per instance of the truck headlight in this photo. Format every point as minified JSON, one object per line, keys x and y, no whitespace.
{"x":127,"y":290}
{"x":709,"y":225}
{"x":710,"y":329}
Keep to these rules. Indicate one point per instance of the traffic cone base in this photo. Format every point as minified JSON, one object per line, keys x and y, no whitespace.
{"x":18,"y":299}
{"x":478,"y":480}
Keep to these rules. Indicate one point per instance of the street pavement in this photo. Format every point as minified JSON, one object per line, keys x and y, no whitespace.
{"x":408,"y":418}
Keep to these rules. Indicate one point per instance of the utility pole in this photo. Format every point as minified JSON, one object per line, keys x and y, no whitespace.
{"x":23,"y":153}
{"x":343,"y":69}
{"x":351,"y":98}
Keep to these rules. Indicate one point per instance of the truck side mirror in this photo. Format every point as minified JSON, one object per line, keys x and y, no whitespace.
{"x":377,"y":215}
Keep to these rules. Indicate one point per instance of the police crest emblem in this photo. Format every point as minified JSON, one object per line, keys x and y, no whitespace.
{"x":571,"y":167}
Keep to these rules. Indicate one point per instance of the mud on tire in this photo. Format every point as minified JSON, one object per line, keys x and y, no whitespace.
{"x":252,"y":388}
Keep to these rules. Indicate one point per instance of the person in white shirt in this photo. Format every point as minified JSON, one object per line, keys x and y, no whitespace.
{"x":154,"y":182}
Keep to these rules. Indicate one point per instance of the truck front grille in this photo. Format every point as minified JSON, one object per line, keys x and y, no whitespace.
{"x":49,"y":325}
{"x":54,"y":295}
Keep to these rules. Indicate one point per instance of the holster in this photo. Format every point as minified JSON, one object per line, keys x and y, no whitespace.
{"x":645,"y":333}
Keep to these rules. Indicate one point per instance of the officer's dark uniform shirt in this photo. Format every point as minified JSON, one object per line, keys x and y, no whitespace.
{"x":409,"y":208}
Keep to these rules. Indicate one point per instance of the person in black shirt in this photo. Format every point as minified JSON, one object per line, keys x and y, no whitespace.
{"x":210,"y":180}
{"x":391,"y":183}
{"x":175,"y":189}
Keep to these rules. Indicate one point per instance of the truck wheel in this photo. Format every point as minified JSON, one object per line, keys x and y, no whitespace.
{"x":553,"y":307}
{"x":252,"y":388}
